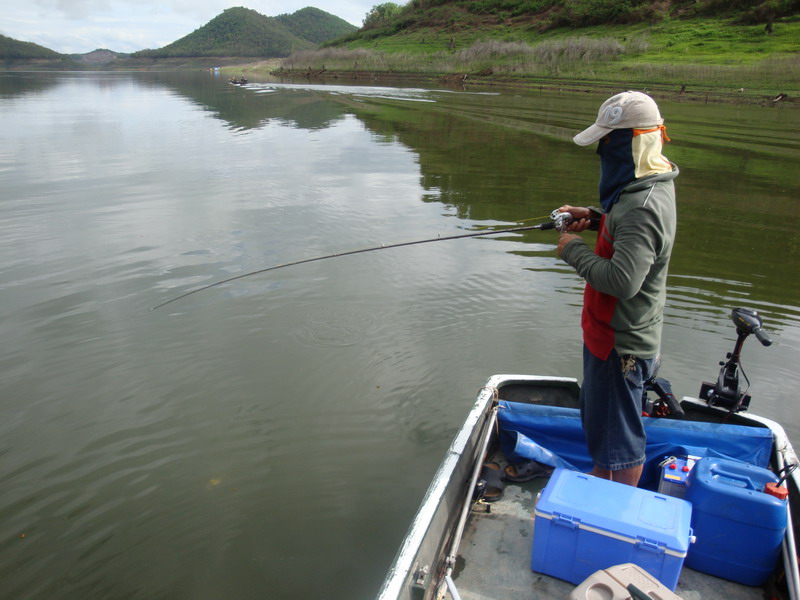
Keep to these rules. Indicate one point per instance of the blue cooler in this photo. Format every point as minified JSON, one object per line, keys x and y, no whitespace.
{"x":739,"y":527}
{"x":583,"y":524}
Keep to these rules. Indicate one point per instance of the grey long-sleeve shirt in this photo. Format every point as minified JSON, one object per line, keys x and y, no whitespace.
{"x":626,"y":274}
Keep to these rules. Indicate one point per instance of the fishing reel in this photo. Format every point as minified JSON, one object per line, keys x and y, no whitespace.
{"x":727,"y":392}
{"x":561,"y":220}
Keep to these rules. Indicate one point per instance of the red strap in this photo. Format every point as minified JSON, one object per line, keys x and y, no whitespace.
{"x":661,"y":128}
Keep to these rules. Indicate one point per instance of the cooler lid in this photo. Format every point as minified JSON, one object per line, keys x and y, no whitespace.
{"x":616,"y":510}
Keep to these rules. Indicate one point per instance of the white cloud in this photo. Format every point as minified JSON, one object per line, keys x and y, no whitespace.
{"x":74,"y":9}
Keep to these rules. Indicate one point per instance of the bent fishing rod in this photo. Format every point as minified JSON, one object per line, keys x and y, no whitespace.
{"x":560,"y":222}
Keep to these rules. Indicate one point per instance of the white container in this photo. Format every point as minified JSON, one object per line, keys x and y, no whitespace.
{"x":612,"y":584}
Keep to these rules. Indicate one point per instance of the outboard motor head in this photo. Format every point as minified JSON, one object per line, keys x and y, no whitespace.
{"x":726,"y":392}
{"x":748,"y":321}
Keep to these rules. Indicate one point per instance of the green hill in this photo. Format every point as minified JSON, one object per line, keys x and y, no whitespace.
{"x":745,"y":47}
{"x":244,"y":32}
{"x":315,"y":25}
{"x":720,"y":32}
{"x":534,"y":17}
{"x":14,"y":49}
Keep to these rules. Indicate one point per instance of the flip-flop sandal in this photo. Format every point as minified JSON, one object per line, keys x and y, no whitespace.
{"x":489,"y":487}
{"x":526,"y":471}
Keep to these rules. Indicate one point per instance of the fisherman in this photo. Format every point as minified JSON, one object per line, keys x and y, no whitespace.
{"x":626,"y":277}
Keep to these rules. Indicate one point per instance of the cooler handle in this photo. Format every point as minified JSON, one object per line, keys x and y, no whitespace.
{"x":564,"y":521}
{"x":649,"y":546}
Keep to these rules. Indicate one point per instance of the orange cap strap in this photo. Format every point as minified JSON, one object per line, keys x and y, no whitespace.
{"x":661,"y":128}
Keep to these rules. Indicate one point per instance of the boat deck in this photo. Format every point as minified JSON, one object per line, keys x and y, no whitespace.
{"x":494,"y":559}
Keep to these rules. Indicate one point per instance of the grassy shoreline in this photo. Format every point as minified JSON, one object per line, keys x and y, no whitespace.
{"x":746,"y":84}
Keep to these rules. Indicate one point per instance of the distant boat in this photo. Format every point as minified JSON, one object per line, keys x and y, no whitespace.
{"x":241,"y":81}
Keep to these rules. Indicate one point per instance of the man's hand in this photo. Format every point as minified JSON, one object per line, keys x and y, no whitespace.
{"x":580,"y":215}
{"x":563,"y":240}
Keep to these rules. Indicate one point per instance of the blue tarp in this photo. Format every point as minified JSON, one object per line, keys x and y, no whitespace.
{"x":554,"y":436}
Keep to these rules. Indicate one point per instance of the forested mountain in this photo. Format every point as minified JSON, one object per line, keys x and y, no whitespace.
{"x":14,"y":49}
{"x":244,"y":32}
{"x":315,"y":25}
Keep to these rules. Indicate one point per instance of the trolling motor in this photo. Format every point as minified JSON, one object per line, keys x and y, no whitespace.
{"x":726,"y":392}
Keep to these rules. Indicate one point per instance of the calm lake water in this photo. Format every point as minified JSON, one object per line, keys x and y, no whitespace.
{"x":271,"y":438}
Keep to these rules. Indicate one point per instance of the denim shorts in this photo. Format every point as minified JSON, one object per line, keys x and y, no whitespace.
{"x":611,"y":409}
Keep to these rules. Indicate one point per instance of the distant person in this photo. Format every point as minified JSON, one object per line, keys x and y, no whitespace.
{"x":626,"y":278}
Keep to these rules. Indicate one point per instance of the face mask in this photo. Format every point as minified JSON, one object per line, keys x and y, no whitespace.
{"x":617,"y":168}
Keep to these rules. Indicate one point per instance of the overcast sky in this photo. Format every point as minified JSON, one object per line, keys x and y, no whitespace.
{"x":78,"y":26}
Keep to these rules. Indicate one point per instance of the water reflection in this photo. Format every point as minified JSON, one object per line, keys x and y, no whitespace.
{"x":242,"y":109}
{"x":15,"y":85}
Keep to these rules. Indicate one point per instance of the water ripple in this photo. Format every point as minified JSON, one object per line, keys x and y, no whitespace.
{"x":337,"y":327}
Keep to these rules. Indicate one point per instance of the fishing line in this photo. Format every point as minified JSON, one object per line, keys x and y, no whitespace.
{"x":542,"y":226}
{"x":519,"y":221}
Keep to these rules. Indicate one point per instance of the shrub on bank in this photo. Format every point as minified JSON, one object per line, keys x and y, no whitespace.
{"x":551,"y":56}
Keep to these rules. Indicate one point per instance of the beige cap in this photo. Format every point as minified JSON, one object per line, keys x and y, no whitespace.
{"x":627,"y":110}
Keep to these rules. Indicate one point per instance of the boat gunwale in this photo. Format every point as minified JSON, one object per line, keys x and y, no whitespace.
{"x":406,"y":556}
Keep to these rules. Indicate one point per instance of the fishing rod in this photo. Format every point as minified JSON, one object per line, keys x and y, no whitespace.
{"x":560,"y":222}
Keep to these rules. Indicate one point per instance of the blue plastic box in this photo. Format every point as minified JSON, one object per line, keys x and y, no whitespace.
{"x":739,"y":528}
{"x":583,"y":524}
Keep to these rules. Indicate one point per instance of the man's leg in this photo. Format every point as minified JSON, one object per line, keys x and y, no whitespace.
{"x":628,"y":476}
{"x":601,"y":473}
